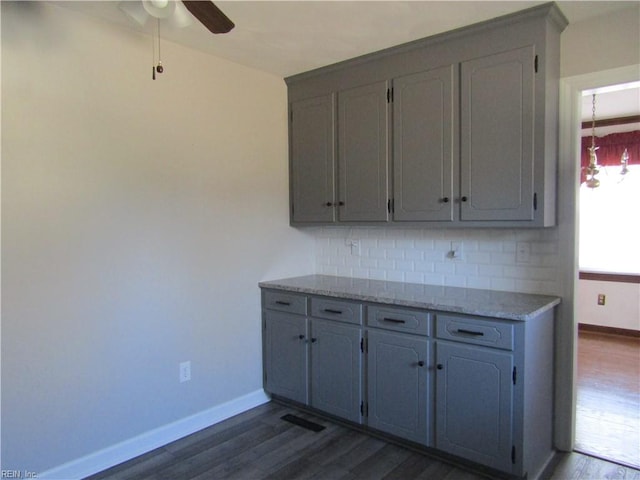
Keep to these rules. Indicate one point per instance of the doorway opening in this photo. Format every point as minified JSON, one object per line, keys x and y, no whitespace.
{"x":608,"y":290}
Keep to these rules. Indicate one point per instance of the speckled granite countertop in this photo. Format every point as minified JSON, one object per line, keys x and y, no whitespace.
{"x":487,"y":303}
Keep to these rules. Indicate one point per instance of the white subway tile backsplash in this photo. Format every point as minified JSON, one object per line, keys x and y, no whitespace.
{"x":503,"y":284}
{"x":404,"y":265}
{"x":419,"y":255}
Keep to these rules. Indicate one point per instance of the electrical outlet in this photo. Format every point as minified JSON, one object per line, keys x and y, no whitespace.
{"x":601,"y":298}
{"x":185,"y":371}
{"x":455,"y":252}
{"x":523,"y":252}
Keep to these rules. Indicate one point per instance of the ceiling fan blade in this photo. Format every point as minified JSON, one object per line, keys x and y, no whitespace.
{"x":209,"y":15}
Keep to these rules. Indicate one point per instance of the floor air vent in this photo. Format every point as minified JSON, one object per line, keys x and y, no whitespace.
{"x":302,"y":422}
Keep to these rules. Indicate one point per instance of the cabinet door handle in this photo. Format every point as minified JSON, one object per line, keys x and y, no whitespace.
{"x":439,"y":366}
{"x":445,"y":200}
{"x":464,"y":198}
{"x":392,"y":320}
{"x":330,"y":310}
{"x":421,"y":363}
{"x":470,"y":332}
{"x":301,"y":336}
{"x":280,"y":302}
{"x":314,"y":340}
{"x":341,"y":204}
{"x":329,"y":204}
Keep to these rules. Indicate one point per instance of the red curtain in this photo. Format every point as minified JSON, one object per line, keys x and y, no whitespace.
{"x":611,"y":148}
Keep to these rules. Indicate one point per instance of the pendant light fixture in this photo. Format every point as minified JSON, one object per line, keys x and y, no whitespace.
{"x":624,"y":160}
{"x":592,"y":169}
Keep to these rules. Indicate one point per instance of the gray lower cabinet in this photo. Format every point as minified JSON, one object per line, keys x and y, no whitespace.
{"x":478,"y":388}
{"x":336,"y":369}
{"x":398,"y":384}
{"x":312,"y":361}
{"x":285,"y":355}
{"x":474,"y":403}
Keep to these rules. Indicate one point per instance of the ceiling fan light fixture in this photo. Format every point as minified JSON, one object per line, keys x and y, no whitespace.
{"x":135,"y":11}
{"x":160,"y":3}
{"x":159,"y":8}
{"x":181,"y":17}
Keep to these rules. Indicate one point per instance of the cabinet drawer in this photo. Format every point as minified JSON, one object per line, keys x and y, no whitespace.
{"x":490,"y":333}
{"x":345,"y":311}
{"x":398,"y":319}
{"x":285,"y":302}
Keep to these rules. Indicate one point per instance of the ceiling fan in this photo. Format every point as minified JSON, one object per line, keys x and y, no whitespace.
{"x":177,"y":13}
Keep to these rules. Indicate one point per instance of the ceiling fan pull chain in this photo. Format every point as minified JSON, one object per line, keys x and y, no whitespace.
{"x":153,"y":59}
{"x":159,"y":67}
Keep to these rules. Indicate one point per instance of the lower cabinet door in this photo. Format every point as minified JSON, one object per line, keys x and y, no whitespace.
{"x":398,"y":384}
{"x":474,"y":404}
{"x":336,"y":369}
{"x":285,"y":355}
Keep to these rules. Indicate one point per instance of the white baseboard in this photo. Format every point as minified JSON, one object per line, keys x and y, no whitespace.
{"x":123,"y":451}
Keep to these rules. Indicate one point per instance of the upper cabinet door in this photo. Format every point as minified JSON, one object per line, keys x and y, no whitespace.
{"x":424,"y":119}
{"x":497,"y":109}
{"x":312,"y":160}
{"x":363,"y":132}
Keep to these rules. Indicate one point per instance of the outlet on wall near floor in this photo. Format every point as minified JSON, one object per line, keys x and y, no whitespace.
{"x":601,"y":298}
{"x":185,"y":371}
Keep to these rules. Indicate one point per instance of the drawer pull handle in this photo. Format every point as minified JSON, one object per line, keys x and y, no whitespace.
{"x":330,"y":310}
{"x":392,"y":320}
{"x":421,"y":363}
{"x":439,"y":366}
{"x":301,"y":336}
{"x":470,"y":332}
{"x":280,"y":302}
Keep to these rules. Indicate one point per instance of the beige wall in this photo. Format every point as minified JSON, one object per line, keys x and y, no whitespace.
{"x":602,"y":43}
{"x":137,"y":219}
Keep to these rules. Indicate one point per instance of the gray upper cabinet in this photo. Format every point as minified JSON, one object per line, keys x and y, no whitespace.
{"x":312,"y":143}
{"x":362,"y":158}
{"x":497,"y":114}
{"x":467,"y":135}
{"x":424,"y":125}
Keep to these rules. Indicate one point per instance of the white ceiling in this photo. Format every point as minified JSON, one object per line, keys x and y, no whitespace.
{"x":289,"y":37}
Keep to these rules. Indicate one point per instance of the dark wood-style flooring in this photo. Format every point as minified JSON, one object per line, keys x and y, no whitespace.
{"x":258,"y":444}
{"x":608,"y":397}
